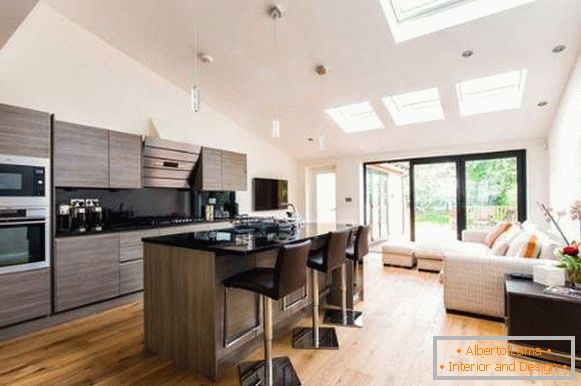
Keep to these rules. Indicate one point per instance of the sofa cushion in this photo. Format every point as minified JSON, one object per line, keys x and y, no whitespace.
{"x":500,"y":246}
{"x":399,"y":248}
{"x":436,"y":251}
{"x":495,"y":232}
{"x":527,"y":244}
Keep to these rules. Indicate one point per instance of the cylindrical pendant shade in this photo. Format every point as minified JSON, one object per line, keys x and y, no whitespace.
{"x":196,"y":99}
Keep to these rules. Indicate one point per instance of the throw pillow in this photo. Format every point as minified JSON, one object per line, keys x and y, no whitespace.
{"x":527,"y":245}
{"x":493,"y":234}
{"x":501,"y":244}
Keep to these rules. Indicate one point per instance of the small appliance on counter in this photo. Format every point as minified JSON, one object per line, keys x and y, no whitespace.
{"x":213,"y":205}
{"x":209,"y":212}
{"x":79,"y":216}
{"x":94,"y":214}
{"x":63,"y":218}
{"x":209,"y":209}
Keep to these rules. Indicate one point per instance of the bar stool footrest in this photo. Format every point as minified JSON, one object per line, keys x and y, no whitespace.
{"x":352,"y":318}
{"x":303,"y":338}
{"x":253,"y":373}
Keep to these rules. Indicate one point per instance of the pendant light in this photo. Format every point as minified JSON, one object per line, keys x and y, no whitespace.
{"x":196,"y":93}
{"x":321,"y":71}
{"x":275,"y":14}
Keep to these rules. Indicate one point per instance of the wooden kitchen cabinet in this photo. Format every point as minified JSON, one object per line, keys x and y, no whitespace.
{"x":89,"y":157}
{"x":221,"y":170}
{"x":125,"y":160}
{"x":131,"y":246}
{"x":81,"y":156}
{"x":86,"y":270}
{"x":24,"y":296}
{"x":209,"y":170}
{"x":131,"y":276}
{"x":24,"y":132}
{"x":233,"y":171}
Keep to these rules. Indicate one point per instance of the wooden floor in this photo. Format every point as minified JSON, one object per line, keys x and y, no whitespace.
{"x":403,"y":310}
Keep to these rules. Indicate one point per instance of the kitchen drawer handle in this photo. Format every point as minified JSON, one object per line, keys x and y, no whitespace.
{"x":168,"y":164}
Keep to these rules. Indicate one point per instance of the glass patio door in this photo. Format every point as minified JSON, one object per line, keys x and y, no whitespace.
{"x":491,"y":192}
{"x":435,"y":201}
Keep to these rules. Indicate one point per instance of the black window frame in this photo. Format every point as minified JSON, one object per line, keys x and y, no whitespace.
{"x":460,"y":161}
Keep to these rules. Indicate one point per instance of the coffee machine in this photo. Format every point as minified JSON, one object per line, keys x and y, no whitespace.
{"x":64,"y":218}
{"x":94,"y":214}
{"x":79,"y":215}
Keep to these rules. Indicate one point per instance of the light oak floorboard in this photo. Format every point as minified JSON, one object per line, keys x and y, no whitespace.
{"x":403,"y":310}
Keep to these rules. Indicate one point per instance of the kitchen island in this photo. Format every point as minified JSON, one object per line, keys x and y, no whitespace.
{"x":193,"y":319}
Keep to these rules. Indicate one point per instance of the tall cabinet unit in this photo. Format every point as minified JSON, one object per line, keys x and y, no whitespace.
{"x":25,"y":294}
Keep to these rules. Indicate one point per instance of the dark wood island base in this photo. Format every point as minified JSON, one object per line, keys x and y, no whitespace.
{"x":193,"y":319}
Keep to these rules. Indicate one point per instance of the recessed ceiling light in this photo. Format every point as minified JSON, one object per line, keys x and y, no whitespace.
{"x":355,"y":117}
{"x":542,"y":103}
{"x":467,"y":53}
{"x":410,"y":19}
{"x":559,"y":48}
{"x":414,"y":107}
{"x":491,"y":93}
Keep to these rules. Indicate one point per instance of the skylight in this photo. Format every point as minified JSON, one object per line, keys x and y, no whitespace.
{"x":414,"y":107}
{"x":492,"y":93}
{"x":410,"y":19}
{"x":356,"y":117}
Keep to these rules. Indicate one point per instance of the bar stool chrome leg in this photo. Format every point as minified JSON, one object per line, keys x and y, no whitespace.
{"x":344,"y":317}
{"x":268,"y":338}
{"x":316,"y":337}
{"x":271,"y":371}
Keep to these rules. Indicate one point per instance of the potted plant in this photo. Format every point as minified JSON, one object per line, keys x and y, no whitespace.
{"x":569,"y":255}
{"x":571,"y":261}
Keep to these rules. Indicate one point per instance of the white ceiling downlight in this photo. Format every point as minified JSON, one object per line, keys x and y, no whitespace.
{"x":492,"y":93}
{"x":415,"y":107}
{"x":410,"y":19}
{"x":356,"y":117}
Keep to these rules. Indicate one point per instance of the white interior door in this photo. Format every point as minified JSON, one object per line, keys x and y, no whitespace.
{"x":326,"y":203}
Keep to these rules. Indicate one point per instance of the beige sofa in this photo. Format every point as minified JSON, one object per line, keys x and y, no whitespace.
{"x":473,"y":279}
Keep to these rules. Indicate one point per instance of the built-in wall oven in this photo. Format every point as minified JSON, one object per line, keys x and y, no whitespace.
{"x":25,"y":226}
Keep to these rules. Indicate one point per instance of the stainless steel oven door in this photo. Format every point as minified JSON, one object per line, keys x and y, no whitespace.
{"x":24,"y":244}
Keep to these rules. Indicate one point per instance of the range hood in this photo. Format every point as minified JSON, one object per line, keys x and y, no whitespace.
{"x":168,"y":164}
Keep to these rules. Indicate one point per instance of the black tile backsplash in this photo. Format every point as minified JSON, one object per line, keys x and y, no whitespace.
{"x":140,"y":202}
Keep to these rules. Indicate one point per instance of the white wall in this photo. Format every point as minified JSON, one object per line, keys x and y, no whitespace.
{"x":350,"y":174}
{"x":565,"y":151}
{"x":54,"y":65}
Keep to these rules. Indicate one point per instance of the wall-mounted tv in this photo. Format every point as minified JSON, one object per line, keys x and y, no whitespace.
{"x":270,"y":194}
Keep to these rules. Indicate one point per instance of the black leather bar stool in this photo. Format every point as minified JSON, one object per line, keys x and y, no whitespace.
{"x":327,"y":259}
{"x":359,"y":249}
{"x":355,"y":252}
{"x":287,"y":276}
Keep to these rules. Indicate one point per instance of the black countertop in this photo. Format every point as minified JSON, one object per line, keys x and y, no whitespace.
{"x":231,"y":241}
{"x":131,"y":228}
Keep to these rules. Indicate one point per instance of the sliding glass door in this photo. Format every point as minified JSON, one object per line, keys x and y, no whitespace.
{"x":491,"y":192}
{"x":434,"y":199}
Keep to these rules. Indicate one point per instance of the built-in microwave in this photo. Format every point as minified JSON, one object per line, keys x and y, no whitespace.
{"x":22,"y":180}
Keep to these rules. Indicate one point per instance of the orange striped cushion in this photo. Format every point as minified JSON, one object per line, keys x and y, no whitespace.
{"x":499,"y":229}
{"x":526,"y":245}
